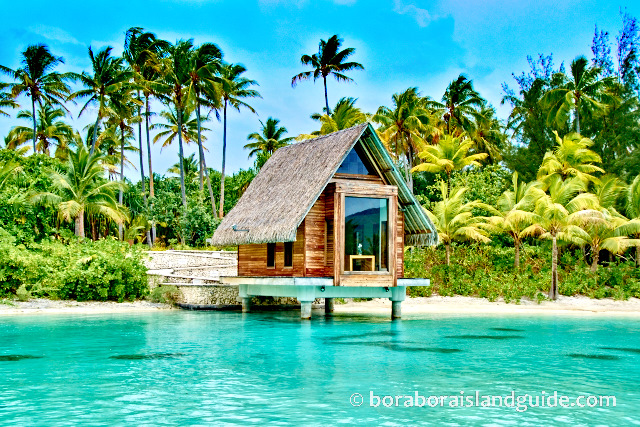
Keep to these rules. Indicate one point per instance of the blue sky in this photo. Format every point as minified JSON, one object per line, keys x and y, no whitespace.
{"x":401,"y":43}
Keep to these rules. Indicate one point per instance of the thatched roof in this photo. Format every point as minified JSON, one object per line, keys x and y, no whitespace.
{"x":280,"y":196}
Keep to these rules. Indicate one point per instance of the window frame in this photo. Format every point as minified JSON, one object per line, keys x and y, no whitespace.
{"x":391,"y":223}
{"x":271,"y":253}
{"x":288,"y":255}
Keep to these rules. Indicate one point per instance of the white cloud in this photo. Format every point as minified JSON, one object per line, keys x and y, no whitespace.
{"x":54,"y":33}
{"x":422,"y":16}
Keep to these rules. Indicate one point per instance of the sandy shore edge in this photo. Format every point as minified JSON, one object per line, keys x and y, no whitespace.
{"x":46,"y":306}
{"x":456,"y":305}
{"x":460,"y":305}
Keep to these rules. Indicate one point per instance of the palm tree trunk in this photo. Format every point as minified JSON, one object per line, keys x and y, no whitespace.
{"x":95,"y":134}
{"x":144,"y":190}
{"x":224,"y":157}
{"x":596,"y":258}
{"x":120,"y":194}
{"x":577,"y":120}
{"x":448,"y":183}
{"x":146,"y":119}
{"x":206,"y":172}
{"x":516,"y":262}
{"x":80,"y":224}
{"x":553,"y":292}
{"x":35,"y":127}
{"x":410,"y":164}
{"x":200,"y":149}
{"x":180,"y":158}
{"x":447,"y":256}
{"x":151,"y":192}
{"x":326,"y":98}
{"x":94,"y":230}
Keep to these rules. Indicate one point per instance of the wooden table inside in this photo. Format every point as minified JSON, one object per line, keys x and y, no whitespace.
{"x":370,"y":258}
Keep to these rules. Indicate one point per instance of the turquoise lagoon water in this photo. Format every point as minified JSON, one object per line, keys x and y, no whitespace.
{"x":212,"y":368}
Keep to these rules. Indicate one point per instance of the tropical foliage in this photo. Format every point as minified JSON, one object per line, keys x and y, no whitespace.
{"x":551,"y":195}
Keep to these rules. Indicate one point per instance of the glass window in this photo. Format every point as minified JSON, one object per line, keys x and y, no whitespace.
{"x":356,"y":163}
{"x":365,"y":234}
{"x":288,"y":254}
{"x":271,"y":254}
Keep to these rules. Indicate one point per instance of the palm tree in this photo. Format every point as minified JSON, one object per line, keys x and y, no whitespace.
{"x":344,"y":115}
{"x":190,"y":168}
{"x":110,"y":145}
{"x":633,"y":208}
{"x":6,"y":100}
{"x":553,"y":218}
{"x":122,"y":108}
{"x":175,"y":80}
{"x":329,"y":60}
{"x":169,"y":130}
{"x":108,"y":79}
{"x":571,"y":158}
{"x":448,"y":155}
{"x":48,"y":129}
{"x":37,"y":79}
{"x":233,"y":88}
{"x":401,"y":127}
{"x":527,"y":122}
{"x":8,"y":170}
{"x":578,"y":92}
{"x":204,"y":63}
{"x":456,"y":221}
{"x":140,"y":52}
{"x":485,"y":131}
{"x":515,"y":208}
{"x":609,"y":190}
{"x":82,"y":188}
{"x":269,"y":139}
{"x":459,"y":103}
{"x":605,"y":229}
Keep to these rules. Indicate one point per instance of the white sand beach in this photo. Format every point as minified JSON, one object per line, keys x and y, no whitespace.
{"x":576,"y":305}
{"x":47,"y":306}
{"x":459,"y":305}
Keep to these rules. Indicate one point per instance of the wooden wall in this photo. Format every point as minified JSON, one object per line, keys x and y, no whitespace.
{"x":314,"y":239}
{"x":313,"y":250}
{"x":252,"y":259}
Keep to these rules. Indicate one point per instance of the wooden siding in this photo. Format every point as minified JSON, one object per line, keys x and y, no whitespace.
{"x":322,"y":231}
{"x":371,"y":279}
{"x":400,"y":246}
{"x":314,"y":239}
{"x":252,"y":259}
{"x":329,"y":193}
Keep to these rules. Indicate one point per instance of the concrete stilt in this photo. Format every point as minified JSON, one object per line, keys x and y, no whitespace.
{"x":328,"y":305}
{"x":246,"y":304}
{"x":396,"y":309}
{"x":305,"y":309}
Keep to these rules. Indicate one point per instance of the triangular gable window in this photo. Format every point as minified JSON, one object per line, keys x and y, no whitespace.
{"x":356,"y":163}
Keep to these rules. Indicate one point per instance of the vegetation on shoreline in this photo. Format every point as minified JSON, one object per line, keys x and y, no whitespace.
{"x":550,"y":198}
{"x":486,"y":271}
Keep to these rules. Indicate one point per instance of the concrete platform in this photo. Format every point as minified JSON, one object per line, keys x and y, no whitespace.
{"x":307,"y":289}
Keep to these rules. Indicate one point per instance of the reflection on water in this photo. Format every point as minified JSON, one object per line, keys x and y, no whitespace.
{"x":485,"y":337}
{"x":593,"y":356}
{"x":146,"y":356}
{"x":17,"y":357}
{"x":628,"y":350}
{"x":212,"y":368}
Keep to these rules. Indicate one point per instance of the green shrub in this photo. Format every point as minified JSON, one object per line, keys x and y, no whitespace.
{"x":487,"y":271}
{"x":102,"y":270}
